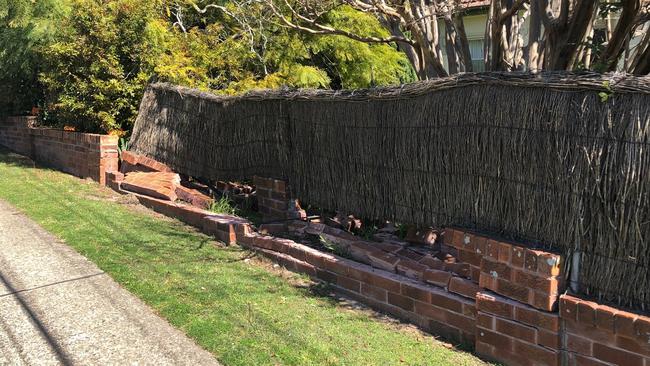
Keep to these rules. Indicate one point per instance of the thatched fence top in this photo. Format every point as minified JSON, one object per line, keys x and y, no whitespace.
{"x":557,"y":159}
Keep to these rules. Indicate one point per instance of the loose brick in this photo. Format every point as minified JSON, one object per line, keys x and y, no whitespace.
{"x":542,"y":300}
{"x":504,"y":253}
{"x":463,"y":287}
{"x":496,"y":269}
{"x":492,"y":249}
{"x":432,"y":263}
{"x":549,"y":264}
{"x":470,"y":257}
{"x":424,"y":236}
{"x":518,"y":255}
{"x":435,"y":277}
{"x":453,"y":237}
{"x":487,"y":281}
{"x":530,"y":260}
{"x":403,"y":302}
{"x":549,"y":285}
{"x":616,"y":356}
{"x":383,"y":260}
{"x":492,"y":305}
{"x":460,"y":269}
{"x":360,"y":251}
{"x":513,"y":291}
{"x":376,"y":293}
{"x":410,"y":268}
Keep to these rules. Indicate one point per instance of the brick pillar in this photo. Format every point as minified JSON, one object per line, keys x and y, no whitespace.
{"x":275,"y":201}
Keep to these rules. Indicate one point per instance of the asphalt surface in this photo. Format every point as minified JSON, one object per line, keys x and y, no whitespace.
{"x":58,"y":308}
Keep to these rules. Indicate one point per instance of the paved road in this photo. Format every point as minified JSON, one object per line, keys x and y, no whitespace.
{"x":58,"y":308}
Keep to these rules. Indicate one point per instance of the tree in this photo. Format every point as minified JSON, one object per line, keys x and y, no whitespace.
{"x":267,"y":55}
{"x":25,"y":26}
{"x":96,"y":70}
{"x":560,"y":32}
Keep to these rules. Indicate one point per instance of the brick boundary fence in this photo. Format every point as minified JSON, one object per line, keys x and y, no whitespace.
{"x":84,"y":155}
{"x":503,"y":299}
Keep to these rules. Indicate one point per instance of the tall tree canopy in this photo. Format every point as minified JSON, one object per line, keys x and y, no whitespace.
{"x":559,"y":32}
{"x":87,"y":62}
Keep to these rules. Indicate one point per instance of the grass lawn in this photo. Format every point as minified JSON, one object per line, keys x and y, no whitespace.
{"x":243,"y":310}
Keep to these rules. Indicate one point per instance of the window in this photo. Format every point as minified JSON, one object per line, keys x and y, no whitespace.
{"x":476,"y":51}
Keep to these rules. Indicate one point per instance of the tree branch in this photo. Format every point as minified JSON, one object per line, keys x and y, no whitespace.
{"x":320,"y":29}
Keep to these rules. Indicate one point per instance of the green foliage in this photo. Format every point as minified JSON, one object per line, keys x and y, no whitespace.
{"x":224,"y":206}
{"x":88,"y":68}
{"x":25,"y":26}
{"x":604,"y":95}
{"x":356,"y":64}
{"x":96,"y":71}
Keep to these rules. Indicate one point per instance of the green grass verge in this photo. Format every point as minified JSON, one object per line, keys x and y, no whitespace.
{"x":245,"y":313}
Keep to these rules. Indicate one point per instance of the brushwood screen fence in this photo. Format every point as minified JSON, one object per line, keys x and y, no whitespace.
{"x":557,"y":159}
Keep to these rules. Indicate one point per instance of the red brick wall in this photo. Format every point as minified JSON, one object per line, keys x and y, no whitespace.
{"x":81,"y":154}
{"x":493,"y":304}
{"x":600,"y":335}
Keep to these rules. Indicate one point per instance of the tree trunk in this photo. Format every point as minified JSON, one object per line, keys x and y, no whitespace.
{"x":534,"y":33}
{"x":564,"y":35}
{"x":615,"y":46}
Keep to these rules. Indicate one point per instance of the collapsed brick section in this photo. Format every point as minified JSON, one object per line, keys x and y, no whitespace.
{"x":84,"y":155}
{"x":424,"y":291}
{"x":155,"y":184}
{"x":274,"y":199}
{"x":602,"y":335}
{"x":533,"y":277}
{"x":432,"y":308}
{"x":132,"y":162}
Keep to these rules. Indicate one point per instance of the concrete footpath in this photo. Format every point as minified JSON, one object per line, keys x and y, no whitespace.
{"x":58,"y":308}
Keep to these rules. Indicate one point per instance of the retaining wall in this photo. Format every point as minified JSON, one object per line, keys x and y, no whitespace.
{"x":84,"y":155}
